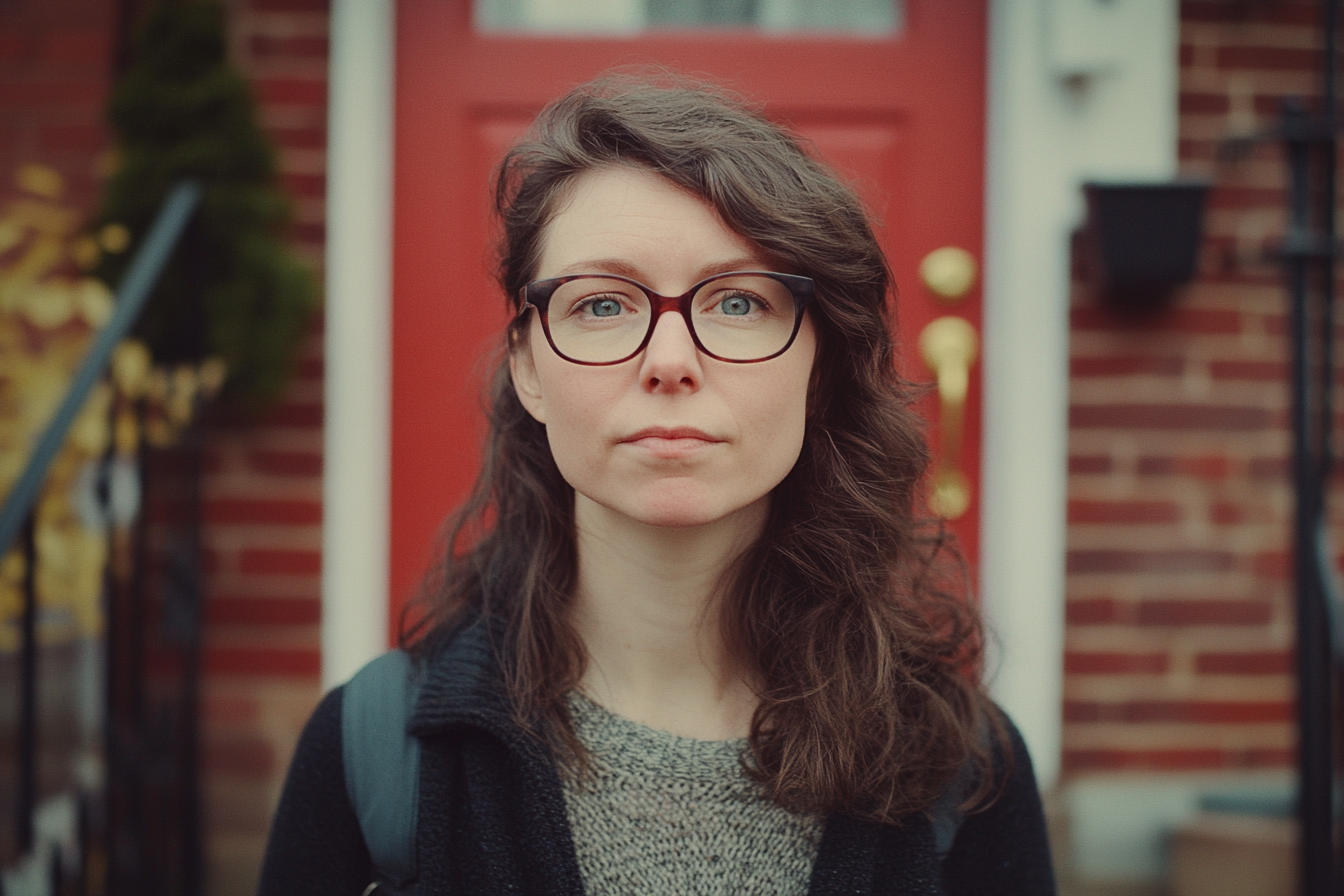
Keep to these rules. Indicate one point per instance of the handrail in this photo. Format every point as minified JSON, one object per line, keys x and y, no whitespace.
{"x":140,"y":278}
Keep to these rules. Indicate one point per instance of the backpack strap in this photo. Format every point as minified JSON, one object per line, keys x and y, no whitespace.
{"x":946,"y":816}
{"x":382,"y":763}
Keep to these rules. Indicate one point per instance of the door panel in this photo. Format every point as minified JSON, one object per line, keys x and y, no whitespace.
{"x":901,"y":117}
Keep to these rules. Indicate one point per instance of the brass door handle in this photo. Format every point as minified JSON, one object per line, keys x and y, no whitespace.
{"x":949,"y":346}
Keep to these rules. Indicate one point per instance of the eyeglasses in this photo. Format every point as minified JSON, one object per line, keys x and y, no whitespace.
{"x":742,"y":316}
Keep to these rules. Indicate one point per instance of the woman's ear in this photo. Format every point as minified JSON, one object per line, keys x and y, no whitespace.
{"x":526,"y":385}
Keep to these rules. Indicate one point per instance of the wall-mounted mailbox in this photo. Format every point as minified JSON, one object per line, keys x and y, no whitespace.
{"x":1143,"y":239}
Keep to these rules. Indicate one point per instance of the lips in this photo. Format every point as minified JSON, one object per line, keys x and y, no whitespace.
{"x":671,"y":442}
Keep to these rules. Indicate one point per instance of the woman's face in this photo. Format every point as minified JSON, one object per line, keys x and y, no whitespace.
{"x":671,"y":437}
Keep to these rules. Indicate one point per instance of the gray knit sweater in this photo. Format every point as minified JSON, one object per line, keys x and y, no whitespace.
{"x":662,"y":814}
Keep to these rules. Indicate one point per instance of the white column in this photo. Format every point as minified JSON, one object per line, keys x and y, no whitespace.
{"x":358,"y":333}
{"x":1078,"y":90}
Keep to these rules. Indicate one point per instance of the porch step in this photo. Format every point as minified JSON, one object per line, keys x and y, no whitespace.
{"x":1226,"y":854}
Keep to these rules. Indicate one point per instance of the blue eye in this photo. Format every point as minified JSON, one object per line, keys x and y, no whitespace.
{"x":605,"y":308}
{"x":735,"y":305}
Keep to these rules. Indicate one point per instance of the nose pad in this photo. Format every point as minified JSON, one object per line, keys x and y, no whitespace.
{"x":671,"y":358}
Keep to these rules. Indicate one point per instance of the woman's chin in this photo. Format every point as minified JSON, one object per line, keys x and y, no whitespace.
{"x":690,"y":512}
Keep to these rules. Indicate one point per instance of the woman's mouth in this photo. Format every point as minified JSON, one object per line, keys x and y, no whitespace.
{"x":671,"y":442}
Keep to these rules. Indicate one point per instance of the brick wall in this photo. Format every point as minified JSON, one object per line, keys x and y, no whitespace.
{"x":263,"y":485}
{"x":263,"y":495}
{"x":1180,"y":625}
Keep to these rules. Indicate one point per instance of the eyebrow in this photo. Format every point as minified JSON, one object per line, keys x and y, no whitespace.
{"x":623,"y":268}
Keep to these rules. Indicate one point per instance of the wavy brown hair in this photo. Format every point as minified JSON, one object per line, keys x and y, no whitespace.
{"x":852,"y":610}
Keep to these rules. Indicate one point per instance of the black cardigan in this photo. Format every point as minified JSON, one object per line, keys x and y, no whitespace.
{"x":492,"y":813}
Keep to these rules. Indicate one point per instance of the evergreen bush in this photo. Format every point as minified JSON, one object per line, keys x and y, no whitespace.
{"x":234,"y":288}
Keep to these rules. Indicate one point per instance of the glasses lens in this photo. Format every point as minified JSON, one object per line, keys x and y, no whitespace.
{"x":596,"y":319}
{"x":744,"y":317}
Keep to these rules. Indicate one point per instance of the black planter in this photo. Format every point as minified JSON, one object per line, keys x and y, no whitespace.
{"x":1143,"y":240}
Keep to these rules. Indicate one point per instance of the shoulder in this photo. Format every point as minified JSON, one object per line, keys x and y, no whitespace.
{"x":321,"y":737}
{"x":315,"y":845}
{"x":1002,"y":846}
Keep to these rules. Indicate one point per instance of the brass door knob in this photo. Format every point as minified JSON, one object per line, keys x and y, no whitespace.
{"x":949,"y":346}
{"x":949,"y":273}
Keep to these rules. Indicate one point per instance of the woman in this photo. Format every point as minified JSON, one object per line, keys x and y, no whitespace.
{"x":689,"y":635}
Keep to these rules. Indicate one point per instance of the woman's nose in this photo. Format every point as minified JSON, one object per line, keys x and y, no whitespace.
{"x":671,"y":360}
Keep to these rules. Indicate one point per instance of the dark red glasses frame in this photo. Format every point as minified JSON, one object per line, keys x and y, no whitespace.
{"x":537,"y":294}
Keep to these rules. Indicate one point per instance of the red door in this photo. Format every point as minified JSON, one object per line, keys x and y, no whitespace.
{"x":902,"y":116}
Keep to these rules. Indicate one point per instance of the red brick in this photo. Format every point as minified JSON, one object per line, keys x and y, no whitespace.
{"x":86,"y":139}
{"x":267,"y":562}
{"x":1276,"y":371}
{"x":1079,"y":663}
{"x":1203,"y":712}
{"x":1272,"y":468}
{"x":218,"y":709}
{"x":1239,"y":12}
{"x":81,"y":48}
{"x":1263,"y":757}
{"x":1227,"y":513}
{"x":266,"y":46}
{"x":263,"y":610}
{"x":1268,"y":58}
{"x":1203,"y":150}
{"x":291,"y":5}
{"x":1211,"y":467}
{"x":1232,"y":198}
{"x":1272,"y":564}
{"x":1092,"y":463}
{"x":1127,"y":365}
{"x":14,"y":50}
{"x":238,"y":756}
{"x":302,"y":415}
{"x":300,"y":138}
{"x":308,"y":186}
{"x":1123,"y":512}
{"x":1210,"y":611}
{"x":1275,"y":324}
{"x":310,"y":367}
{"x":268,"y":512}
{"x":1078,"y":760}
{"x":262,"y":662}
{"x":1264,"y":662}
{"x":302,"y":464}
{"x":52,"y":93}
{"x":1092,"y":611}
{"x":1269,"y":106}
{"x":1200,"y":321}
{"x":310,"y":233}
{"x":1115,"y":560}
{"x":291,"y":92}
{"x":1230,"y":418}
{"x":1203,"y":103}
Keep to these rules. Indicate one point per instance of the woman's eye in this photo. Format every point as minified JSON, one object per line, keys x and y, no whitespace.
{"x":736,"y":306}
{"x":600,"y":306}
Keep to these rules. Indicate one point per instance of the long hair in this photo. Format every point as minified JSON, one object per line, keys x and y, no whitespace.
{"x":851,"y":608}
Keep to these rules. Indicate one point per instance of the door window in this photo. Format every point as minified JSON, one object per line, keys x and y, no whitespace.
{"x":867,"y":18}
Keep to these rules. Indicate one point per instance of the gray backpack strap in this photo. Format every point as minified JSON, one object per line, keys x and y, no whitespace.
{"x":945,"y":816}
{"x":382,"y":763}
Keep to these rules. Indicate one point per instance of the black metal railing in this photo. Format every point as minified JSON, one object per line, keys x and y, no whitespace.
{"x":1310,"y":253}
{"x":131,"y":826}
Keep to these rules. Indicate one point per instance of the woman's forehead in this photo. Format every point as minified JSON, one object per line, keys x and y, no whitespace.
{"x":631,"y":221}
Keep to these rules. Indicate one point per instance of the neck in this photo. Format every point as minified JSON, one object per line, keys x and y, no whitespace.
{"x":647,"y":608}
